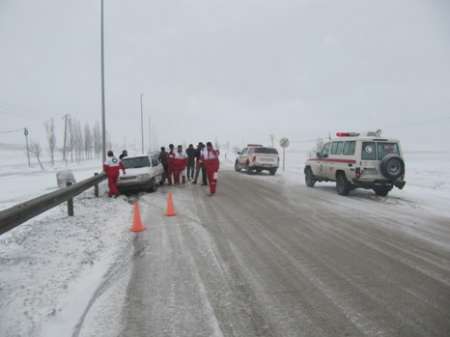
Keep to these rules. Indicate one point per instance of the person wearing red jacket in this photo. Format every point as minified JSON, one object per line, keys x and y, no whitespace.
{"x":212,"y":164}
{"x":112,"y":167}
{"x":179,"y":165}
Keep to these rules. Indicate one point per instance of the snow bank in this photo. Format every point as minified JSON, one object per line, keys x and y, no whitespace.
{"x":54,"y":268}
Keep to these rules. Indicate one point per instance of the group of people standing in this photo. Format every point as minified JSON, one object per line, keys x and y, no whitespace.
{"x":182,"y":166}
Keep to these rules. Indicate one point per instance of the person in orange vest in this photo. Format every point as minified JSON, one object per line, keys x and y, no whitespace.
{"x":112,"y":167}
{"x":212,"y":164}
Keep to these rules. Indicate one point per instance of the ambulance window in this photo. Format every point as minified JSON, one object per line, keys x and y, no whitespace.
{"x":386,"y":148}
{"x":340,"y":148}
{"x":369,"y":151}
{"x":326,"y":150}
{"x":349,"y":148}
{"x":334,"y":147}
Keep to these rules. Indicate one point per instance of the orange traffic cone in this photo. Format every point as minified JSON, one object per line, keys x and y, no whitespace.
{"x":170,"y":209}
{"x":137,"y":222}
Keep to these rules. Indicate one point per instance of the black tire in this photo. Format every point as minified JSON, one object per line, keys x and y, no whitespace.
{"x":237,"y":167}
{"x":273,"y":172}
{"x":153,"y":186}
{"x":310,"y":181}
{"x":343,"y":186}
{"x":392,"y":167}
{"x":382,"y":191}
{"x":258,"y":171}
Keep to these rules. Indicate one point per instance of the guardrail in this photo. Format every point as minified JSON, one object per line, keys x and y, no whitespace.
{"x":18,"y":214}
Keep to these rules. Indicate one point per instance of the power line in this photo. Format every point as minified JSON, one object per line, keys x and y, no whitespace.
{"x":11,"y":131}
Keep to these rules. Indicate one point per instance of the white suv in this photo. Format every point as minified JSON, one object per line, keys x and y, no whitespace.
{"x":353,"y":161}
{"x":257,"y":158}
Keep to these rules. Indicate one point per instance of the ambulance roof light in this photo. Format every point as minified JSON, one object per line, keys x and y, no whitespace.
{"x":347,"y":134}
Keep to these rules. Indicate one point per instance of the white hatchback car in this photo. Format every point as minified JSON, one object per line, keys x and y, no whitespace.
{"x":143,"y":173}
{"x":353,"y":161}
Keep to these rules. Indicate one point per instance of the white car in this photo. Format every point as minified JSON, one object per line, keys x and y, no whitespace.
{"x":353,"y":161}
{"x":143,"y":173}
{"x":257,"y":158}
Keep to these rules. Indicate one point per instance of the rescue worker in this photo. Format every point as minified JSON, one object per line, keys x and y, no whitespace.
{"x":179,"y":166}
{"x":199,"y":164}
{"x":112,"y":167}
{"x":212,"y":164}
{"x":190,"y":152}
{"x":164,"y":159}
{"x":170,"y":163}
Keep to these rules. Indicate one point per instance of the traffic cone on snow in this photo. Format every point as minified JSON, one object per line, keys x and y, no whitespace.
{"x":137,"y":221}
{"x":170,"y":209}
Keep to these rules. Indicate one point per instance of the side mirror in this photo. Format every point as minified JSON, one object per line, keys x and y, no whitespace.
{"x":325,"y":155}
{"x":318,"y":155}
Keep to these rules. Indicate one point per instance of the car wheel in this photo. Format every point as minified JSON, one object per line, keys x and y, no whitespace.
{"x":343,"y":186}
{"x":153,"y":186}
{"x":382,"y":191}
{"x":258,"y":171}
{"x":273,"y":172}
{"x":237,"y":168}
{"x":310,"y":181}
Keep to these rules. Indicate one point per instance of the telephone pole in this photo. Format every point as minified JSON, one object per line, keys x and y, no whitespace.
{"x":102,"y":61}
{"x":65,"y":117}
{"x":149,"y":133}
{"x":142,"y":125}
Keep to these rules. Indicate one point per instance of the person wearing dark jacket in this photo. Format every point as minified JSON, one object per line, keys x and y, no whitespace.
{"x":190,"y":152}
{"x":124,"y":154}
{"x":200,"y":165}
{"x":164,"y":159}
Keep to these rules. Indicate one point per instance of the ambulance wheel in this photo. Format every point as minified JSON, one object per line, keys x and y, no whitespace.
{"x":382,"y":191}
{"x":343,"y":186}
{"x":309,"y":178}
{"x":273,"y":172}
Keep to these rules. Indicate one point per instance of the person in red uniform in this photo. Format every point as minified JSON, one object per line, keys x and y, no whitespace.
{"x":179,"y":165}
{"x":112,"y":167}
{"x":212,"y":164}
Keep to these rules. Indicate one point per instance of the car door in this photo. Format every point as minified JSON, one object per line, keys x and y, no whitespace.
{"x":324,"y":162}
{"x":243,"y":157}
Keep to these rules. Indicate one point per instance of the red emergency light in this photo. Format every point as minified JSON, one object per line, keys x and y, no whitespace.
{"x":347,"y":134}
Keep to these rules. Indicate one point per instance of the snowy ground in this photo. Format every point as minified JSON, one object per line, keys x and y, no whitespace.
{"x":63,"y":276}
{"x":53,"y":266}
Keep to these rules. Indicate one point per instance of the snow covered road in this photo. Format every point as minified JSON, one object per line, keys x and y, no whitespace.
{"x":266,"y":257}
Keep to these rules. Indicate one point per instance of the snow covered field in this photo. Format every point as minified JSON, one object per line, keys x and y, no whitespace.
{"x":20,"y":183}
{"x":55,"y":269}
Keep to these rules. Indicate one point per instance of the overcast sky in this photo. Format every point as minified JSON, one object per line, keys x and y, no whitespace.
{"x":236,"y":70}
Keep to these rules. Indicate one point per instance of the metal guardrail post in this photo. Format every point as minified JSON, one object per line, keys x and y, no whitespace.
{"x":96,"y":187}
{"x":69,"y":202}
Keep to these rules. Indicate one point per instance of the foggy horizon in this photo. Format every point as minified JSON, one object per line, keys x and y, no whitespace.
{"x":235,"y":71}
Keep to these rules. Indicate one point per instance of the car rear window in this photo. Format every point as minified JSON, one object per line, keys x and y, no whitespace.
{"x":266,"y":150}
{"x":383,"y":149}
{"x":136,"y":162}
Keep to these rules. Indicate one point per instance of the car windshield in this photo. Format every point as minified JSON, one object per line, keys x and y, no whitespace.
{"x":136,"y":162}
{"x":266,"y":150}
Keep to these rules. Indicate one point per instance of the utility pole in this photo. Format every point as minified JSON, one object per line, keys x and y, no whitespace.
{"x":26,"y":133}
{"x":102,"y":61}
{"x":142,"y":125}
{"x":149,"y":133}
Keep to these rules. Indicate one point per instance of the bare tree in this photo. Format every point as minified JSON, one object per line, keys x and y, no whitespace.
{"x":36,"y":150}
{"x":88,"y":141}
{"x":51,"y":139}
{"x":97,"y":140}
